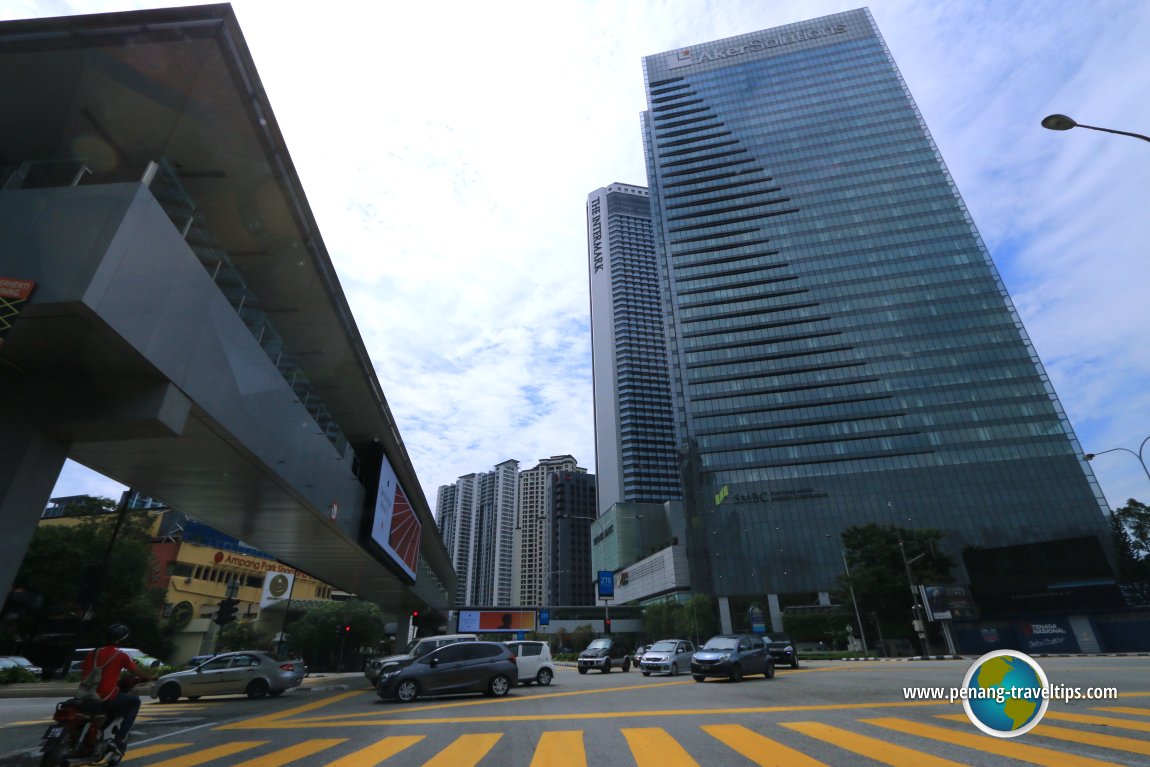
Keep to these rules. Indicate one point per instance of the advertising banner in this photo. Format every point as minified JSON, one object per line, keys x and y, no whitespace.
{"x":395,"y":526}
{"x":496,"y":621}
{"x":951,"y":602}
{"x":13,"y":293}
{"x":606,"y":584}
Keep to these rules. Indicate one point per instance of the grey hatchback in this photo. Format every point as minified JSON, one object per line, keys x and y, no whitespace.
{"x":487,"y":667}
{"x":733,"y":656}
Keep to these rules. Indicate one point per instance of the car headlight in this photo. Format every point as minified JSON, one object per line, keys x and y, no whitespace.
{"x":788,"y":648}
{"x":725,"y":656}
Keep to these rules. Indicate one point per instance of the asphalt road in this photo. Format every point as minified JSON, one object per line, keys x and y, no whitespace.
{"x":824,"y":713}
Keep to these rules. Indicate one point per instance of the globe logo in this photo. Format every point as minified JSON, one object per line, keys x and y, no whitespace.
{"x":1006,"y":693}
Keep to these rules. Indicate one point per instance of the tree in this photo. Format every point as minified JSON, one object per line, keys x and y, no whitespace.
{"x":318,"y":635}
{"x":67,"y":567}
{"x":245,"y":635}
{"x":1131,"y":527}
{"x":878,"y":572}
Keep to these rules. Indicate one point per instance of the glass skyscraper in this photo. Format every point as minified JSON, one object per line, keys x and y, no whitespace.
{"x":635,"y":456}
{"x":842,"y":349}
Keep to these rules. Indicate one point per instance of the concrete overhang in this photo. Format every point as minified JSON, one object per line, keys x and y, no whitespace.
{"x":113,"y":92}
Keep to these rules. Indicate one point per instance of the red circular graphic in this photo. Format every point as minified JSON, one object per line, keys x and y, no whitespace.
{"x":219,"y":557}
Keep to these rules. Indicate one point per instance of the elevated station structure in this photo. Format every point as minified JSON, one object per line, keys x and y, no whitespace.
{"x":172,"y":318}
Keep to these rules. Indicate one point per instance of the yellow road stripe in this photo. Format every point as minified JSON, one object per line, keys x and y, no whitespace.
{"x":388,"y":722}
{"x":872,"y":748}
{"x":292,"y":753}
{"x":142,"y":751}
{"x":278,"y":715}
{"x":758,"y":748}
{"x":1107,"y":721}
{"x":560,"y":749}
{"x":1125,"y":710}
{"x":465,"y":751}
{"x":1116,"y":742}
{"x":207,"y":755}
{"x":653,"y":747}
{"x":377,"y":752}
{"x":979,"y":741}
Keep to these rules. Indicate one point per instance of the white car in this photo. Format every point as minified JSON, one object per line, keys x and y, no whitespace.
{"x":534,"y":661}
{"x":667,"y":656}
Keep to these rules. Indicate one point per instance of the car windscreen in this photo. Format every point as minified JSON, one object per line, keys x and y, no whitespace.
{"x":599,"y":644}
{"x":667,"y":645}
{"x":721,"y":643}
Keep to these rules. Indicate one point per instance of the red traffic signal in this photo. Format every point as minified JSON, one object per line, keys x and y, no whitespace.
{"x":347,"y":628}
{"x":607,"y":625}
{"x":414,"y":614}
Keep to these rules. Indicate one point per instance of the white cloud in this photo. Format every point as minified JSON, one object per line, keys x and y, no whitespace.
{"x":447,"y":150}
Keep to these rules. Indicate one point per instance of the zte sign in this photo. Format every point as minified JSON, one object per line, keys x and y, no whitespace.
{"x":685,"y":57}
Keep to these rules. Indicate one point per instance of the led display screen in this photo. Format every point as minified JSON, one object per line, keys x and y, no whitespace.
{"x":496,"y":621}
{"x":395,"y":526}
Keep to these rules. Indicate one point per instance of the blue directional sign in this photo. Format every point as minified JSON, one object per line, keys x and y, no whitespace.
{"x":606,"y":584}
{"x":544,"y":617}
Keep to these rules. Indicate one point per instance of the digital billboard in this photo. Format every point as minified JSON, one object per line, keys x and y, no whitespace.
{"x":496,"y":621}
{"x":395,"y":528}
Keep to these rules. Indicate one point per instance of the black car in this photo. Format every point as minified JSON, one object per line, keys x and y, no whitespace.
{"x":486,"y":667}
{"x":603,"y":653}
{"x":782,"y":650}
{"x":733,"y":656}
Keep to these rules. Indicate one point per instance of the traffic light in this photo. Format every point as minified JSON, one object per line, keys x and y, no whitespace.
{"x":227,"y":611}
{"x":607,"y":625}
{"x":347,"y":628}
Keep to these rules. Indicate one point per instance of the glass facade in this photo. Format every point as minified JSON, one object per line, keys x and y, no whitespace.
{"x":842,"y":349}
{"x":635,"y":455}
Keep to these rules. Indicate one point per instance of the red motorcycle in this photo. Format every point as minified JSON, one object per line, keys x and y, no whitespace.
{"x":80,"y":732}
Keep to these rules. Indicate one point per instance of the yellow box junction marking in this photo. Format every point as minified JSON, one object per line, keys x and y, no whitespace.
{"x":758,"y":748}
{"x":207,"y":755}
{"x":465,"y":751}
{"x":981,"y":742}
{"x":654,"y":747}
{"x":292,"y":753}
{"x":872,"y":748}
{"x":560,"y":749}
{"x":143,"y":751}
{"x":377,"y":752}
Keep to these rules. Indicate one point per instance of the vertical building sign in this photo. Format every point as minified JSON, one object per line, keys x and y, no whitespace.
{"x":13,"y":293}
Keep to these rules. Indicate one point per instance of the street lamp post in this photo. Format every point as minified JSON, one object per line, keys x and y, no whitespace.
{"x":1138,"y":455}
{"x":1062,"y":122}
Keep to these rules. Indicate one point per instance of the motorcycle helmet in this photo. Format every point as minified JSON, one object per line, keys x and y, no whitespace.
{"x":116,"y":633}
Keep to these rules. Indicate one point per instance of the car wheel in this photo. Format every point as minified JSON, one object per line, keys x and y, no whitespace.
{"x":626,"y":665}
{"x":646,"y":673}
{"x":256,"y":689}
{"x":499,"y":685}
{"x":407,"y":691}
{"x":582,"y":669}
{"x":607,"y":667}
{"x":275,"y":693}
{"x":736,"y":673}
{"x":674,"y":669}
{"x":544,"y":677}
{"x":795,"y":662}
{"x":770,"y":672}
{"x":698,"y":677}
{"x":169,"y":693}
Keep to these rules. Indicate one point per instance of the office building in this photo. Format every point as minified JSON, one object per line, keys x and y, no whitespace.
{"x":532,"y":532}
{"x":571,"y":505}
{"x":476,"y":519}
{"x":635,"y":458}
{"x":842,"y":349}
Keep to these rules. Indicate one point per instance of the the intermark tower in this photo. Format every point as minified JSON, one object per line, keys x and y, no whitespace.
{"x":842,"y":349}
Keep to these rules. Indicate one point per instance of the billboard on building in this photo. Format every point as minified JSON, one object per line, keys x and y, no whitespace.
{"x":496,"y":621}
{"x":395,"y":528}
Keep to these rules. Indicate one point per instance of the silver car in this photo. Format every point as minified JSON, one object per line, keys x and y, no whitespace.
{"x":255,"y":674}
{"x":667,"y":656}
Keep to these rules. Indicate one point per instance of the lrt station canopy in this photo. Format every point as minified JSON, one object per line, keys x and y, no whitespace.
{"x":169,"y":315}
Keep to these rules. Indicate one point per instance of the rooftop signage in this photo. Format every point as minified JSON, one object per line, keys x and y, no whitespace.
{"x":685,"y":57}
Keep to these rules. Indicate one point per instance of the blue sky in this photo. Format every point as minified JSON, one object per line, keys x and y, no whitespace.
{"x":447,"y":150}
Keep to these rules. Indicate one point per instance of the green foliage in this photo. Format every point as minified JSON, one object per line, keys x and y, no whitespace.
{"x":581,"y":637}
{"x":694,"y":619}
{"x":17,"y":676}
{"x":245,"y":635}
{"x":1130,"y":528}
{"x":878,"y":573}
{"x":827,"y":626}
{"x":316,"y":632}
{"x":67,"y":566}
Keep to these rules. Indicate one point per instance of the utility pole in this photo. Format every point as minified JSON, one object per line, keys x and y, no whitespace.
{"x":919,"y":620}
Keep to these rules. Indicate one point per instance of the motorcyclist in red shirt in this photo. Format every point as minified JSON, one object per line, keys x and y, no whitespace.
{"x":111,"y":661}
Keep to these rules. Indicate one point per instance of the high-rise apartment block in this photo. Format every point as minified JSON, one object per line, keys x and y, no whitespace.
{"x":570,"y":511}
{"x":531,"y":530}
{"x":635,"y":457}
{"x":476,"y":518}
{"x":842,"y":349}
